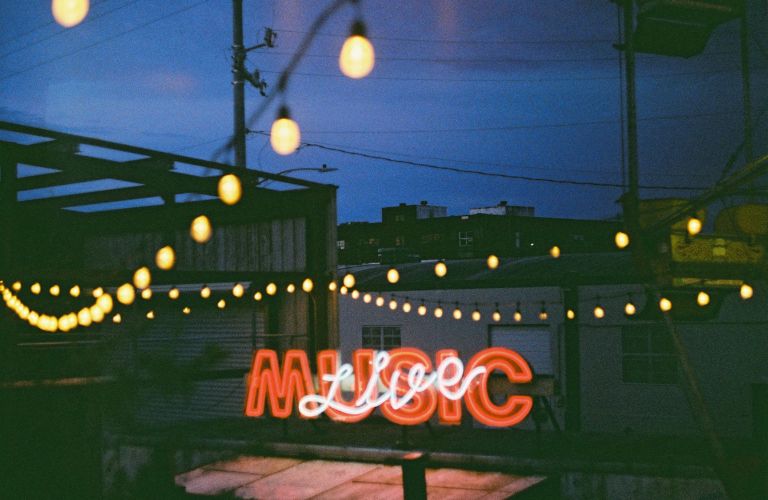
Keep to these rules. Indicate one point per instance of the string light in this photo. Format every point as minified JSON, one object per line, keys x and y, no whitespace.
{"x":438,"y":311}
{"x":173,"y":293}
{"x":367,"y":298}
{"x":543,"y":316}
{"x":205,"y":292}
{"x":476,"y":316}
{"x":84,"y":317}
{"x":621,"y":239}
{"x":702,"y":299}
{"x":355,"y":294}
{"x":332,"y":286}
{"x":570,"y":314}
{"x":307,"y":285}
{"x":142,"y":278}
{"x":349,"y":280}
{"x":16,"y":286}
{"x":457,"y":312}
{"x":200,"y":229}
{"x":441,"y":269}
{"x":598,"y":312}
{"x":74,"y":291}
{"x":285,"y":135}
{"x":290,"y":288}
{"x":146,"y":294}
{"x":35,"y":288}
{"x":745,"y":291}
{"x":97,"y":292}
{"x":150,"y":314}
{"x":117,"y":319}
{"x":694,"y":226}
{"x":379,"y":301}
{"x":629,"y":308}
{"x":393,"y":276}
{"x":393,"y":304}
{"x":97,"y":315}
{"x":165,"y":258}
{"x":105,"y":303}
{"x":357,"y":57}
{"x":665,"y":304}
{"x":492,"y":261}
{"x":271,"y":289}
{"x":55,"y":290}
{"x":406,"y":306}
{"x":257,"y":296}
{"x":230,"y":189}
{"x":517,"y":315}
{"x":186,"y":310}
{"x":69,"y":13}
{"x":421,"y":310}
{"x":126,"y":294}
{"x":221,"y":304}
{"x":343,"y":290}
{"x":555,"y":252}
{"x":238,"y":290}
{"x":496,"y":315}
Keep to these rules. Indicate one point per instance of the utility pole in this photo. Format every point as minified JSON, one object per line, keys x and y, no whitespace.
{"x":238,"y":83}
{"x":632,"y":196}
{"x":745,"y":84}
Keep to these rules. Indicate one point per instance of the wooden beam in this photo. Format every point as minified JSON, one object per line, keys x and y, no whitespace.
{"x":94,"y":197}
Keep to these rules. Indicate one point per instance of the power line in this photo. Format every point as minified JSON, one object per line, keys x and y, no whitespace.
{"x":108,"y":39}
{"x":484,"y":173}
{"x":42,"y":26}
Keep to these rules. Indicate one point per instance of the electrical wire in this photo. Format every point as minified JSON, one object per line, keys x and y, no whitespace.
{"x":42,"y":26}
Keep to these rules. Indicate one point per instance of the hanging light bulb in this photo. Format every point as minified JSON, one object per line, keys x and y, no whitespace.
{"x":173,"y":293}
{"x":554,"y":252}
{"x":205,"y":292}
{"x":290,"y":288}
{"x":230,"y":189}
{"x":496,"y":314}
{"x":97,"y":315}
{"x":69,"y":13}
{"x":238,"y":290}
{"x":285,"y":135}
{"x":476,"y":314}
{"x":307,"y":285}
{"x":146,"y":294}
{"x":693,"y":226}
{"x":55,"y":290}
{"x":186,"y":310}
{"x":142,"y":278}
{"x":200,"y":229}
{"x":97,"y":292}
{"x":379,"y":301}
{"x":629,"y":308}
{"x":33,"y":318}
{"x":343,"y":290}
{"x":105,"y":303}
{"x":332,"y":286}
{"x":599,"y":312}
{"x":257,"y":296}
{"x":438,"y":311}
{"x":355,"y":294}
{"x":406,"y":306}
{"x":84,"y":317}
{"x":117,"y":319}
{"x":126,"y":294}
{"x":271,"y":289}
{"x":357,"y":57}
{"x":151,"y":315}
{"x":393,"y":276}
{"x":621,"y":239}
{"x":745,"y":291}
{"x":16,"y":285}
{"x":74,"y":291}
{"x":165,"y":258}
{"x":367,"y":298}
{"x":492,"y":261}
{"x":421,"y":310}
{"x":35,"y":288}
{"x":517,"y":315}
{"x":393,"y":304}
{"x":570,"y":314}
{"x":441,"y":269}
{"x":221,"y":304}
{"x":702,"y":298}
{"x":665,"y":304}
{"x":457,"y":313}
{"x":349,"y":280}
{"x":543,"y":316}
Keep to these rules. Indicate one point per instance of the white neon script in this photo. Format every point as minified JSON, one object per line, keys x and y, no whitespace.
{"x":418,"y":380}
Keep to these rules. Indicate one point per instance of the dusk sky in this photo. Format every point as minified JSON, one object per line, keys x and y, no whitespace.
{"x":528,"y":88}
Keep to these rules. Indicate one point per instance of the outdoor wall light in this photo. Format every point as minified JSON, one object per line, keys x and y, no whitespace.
{"x":285,"y":135}
{"x":357,"y":57}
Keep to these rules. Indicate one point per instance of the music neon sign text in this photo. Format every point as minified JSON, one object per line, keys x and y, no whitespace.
{"x":403,"y":383}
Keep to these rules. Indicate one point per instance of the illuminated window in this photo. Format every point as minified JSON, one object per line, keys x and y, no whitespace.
{"x":341,"y":244}
{"x":381,"y":338}
{"x":647,"y":355}
{"x":466,"y":238}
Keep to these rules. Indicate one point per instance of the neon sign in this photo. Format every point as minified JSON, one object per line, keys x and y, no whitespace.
{"x":402,"y":383}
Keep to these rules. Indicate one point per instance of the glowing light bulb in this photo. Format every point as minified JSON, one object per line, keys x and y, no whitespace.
{"x":438,"y":312}
{"x":105,"y":303}
{"x":422,"y":310}
{"x":200,"y":229}
{"x":554,"y":252}
{"x":117,"y":319}
{"x":332,"y":286}
{"x":355,"y":294}
{"x":694,"y":226}
{"x":74,"y":291}
{"x":307,"y":285}
{"x":221,"y":304}
{"x":55,"y":290}
{"x":702,"y":299}
{"x":69,"y":13}
{"x":33,"y":318}
{"x":165,"y":258}
{"x":393,"y":276}
{"x":357,"y":57}
{"x":457,"y":313}
{"x":285,"y":135}
{"x":343,"y":290}
{"x":151,"y":315}
{"x":517,"y":316}
{"x":16,"y":285}
{"x":599,"y":312}
{"x":349,"y":280}
{"x":84,"y":317}
{"x":238,"y":290}
{"x":367,"y":298}
{"x":476,"y":315}
{"x":492,"y":261}
{"x":205,"y":292}
{"x":665,"y":304}
{"x":393,"y":304}
{"x":142,"y":278}
{"x":230,"y":189}
{"x":186,"y":310}
{"x":173,"y":293}
{"x":570,"y":314}
{"x":271,"y":289}
{"x":441,"y":269}
{"x":496,"y":315}
{"x":621,"y":239}
{"x":257,"y":296}
{"x":543,"y":316}
{"x":146,"y":294}
{"x":97,"y":292}
{"x":379,"y":301}
{"x":406,"y":307}
{"x":630,"y":309}
{"x":745,"y":291}
{"x":290,"y":288}
{"x":35,"y":288}
{"x":97,"y":315}
{"x":126,"y":294}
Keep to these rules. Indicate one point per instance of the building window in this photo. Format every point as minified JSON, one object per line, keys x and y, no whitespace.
{"x":648,"y":355}
{"x":466,"y":238}
{"x":381,"y":338}
{"x":341,"y":244}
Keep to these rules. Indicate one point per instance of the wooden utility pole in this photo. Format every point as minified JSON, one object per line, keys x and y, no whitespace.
{"x":238,"y":82}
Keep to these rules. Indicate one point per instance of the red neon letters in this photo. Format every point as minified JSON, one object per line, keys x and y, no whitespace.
{"x":403,"y":383}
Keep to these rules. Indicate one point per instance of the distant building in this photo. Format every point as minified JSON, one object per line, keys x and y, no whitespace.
{"x":409,"y":233}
